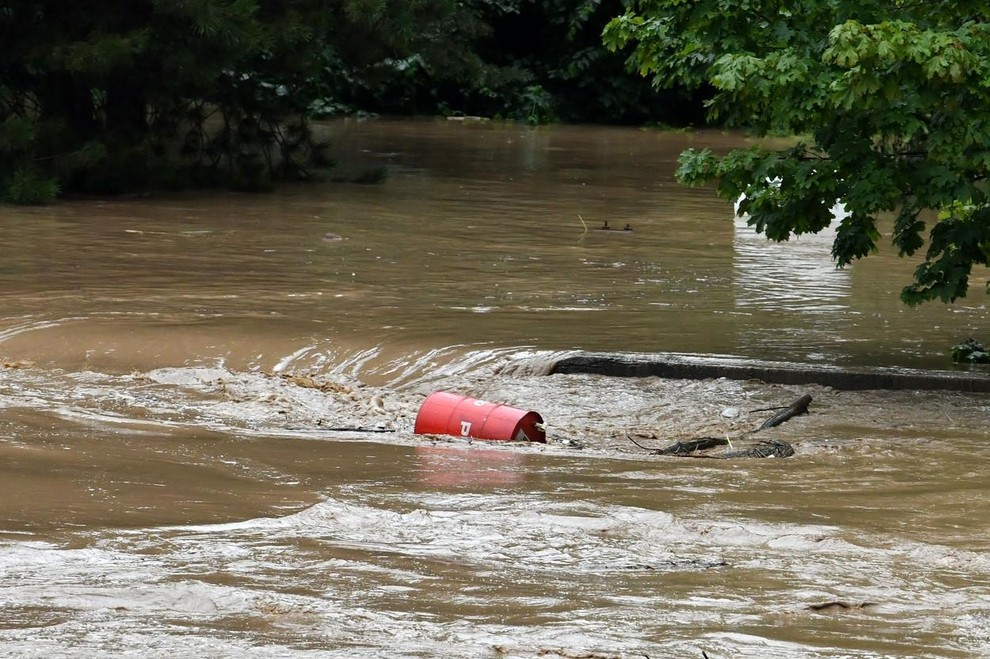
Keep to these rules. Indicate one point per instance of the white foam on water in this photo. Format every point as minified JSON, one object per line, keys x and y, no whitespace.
{"x":452,"y":574}
{"x":474,"y":562}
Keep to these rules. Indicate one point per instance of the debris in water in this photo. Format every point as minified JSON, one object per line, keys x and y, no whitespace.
{"x":772,"y":448}
{"x":20,"y":363}
{"x":838,"y":605}
{"x":444,"y":413}
{"x":309,"y":382}
{"x":797,"y":408}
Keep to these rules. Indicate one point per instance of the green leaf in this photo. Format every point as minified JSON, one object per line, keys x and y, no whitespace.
{"x":896,"y":101}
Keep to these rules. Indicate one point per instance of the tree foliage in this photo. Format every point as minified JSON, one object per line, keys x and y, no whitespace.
{"x":107,"y":96}
{"x":557,"y":45}
{"x":893,"y":98}
{"x":537,"y":61}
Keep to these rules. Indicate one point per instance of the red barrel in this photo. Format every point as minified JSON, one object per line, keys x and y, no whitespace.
{"x":444,"y":413}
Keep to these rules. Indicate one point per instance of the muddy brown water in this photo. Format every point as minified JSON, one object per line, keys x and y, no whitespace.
{"x":170,"y":485}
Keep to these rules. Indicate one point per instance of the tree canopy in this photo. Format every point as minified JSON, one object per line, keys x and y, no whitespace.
{"x":107,"y":97}
{"x":892,"y":99}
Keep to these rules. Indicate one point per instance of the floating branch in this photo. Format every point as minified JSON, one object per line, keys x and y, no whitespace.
{"x":772,"y":448}
{"x":693,"y":446}
{"x":797,"y":408}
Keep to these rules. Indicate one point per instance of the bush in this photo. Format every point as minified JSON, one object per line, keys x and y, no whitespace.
{"x":30,"y":187}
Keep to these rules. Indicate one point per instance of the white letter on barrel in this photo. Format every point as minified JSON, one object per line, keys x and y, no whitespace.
{"x":465,"y":428}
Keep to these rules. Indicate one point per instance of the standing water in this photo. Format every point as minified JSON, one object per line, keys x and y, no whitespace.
{"x":207,"y":404}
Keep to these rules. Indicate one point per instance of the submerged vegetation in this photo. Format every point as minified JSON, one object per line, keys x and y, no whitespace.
{"x":970,"y":351}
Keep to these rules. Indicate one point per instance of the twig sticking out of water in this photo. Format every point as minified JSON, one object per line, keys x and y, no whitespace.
{"x":645,"y":448}
{"x":770,"y":409}
{"x":585,"y":232}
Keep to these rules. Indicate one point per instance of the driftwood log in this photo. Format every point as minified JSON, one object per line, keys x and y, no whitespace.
{"x":798,"y":407}
{"x":770,"y":448}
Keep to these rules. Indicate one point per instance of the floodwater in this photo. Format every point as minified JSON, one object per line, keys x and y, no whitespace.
{"x":207,"y":403}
